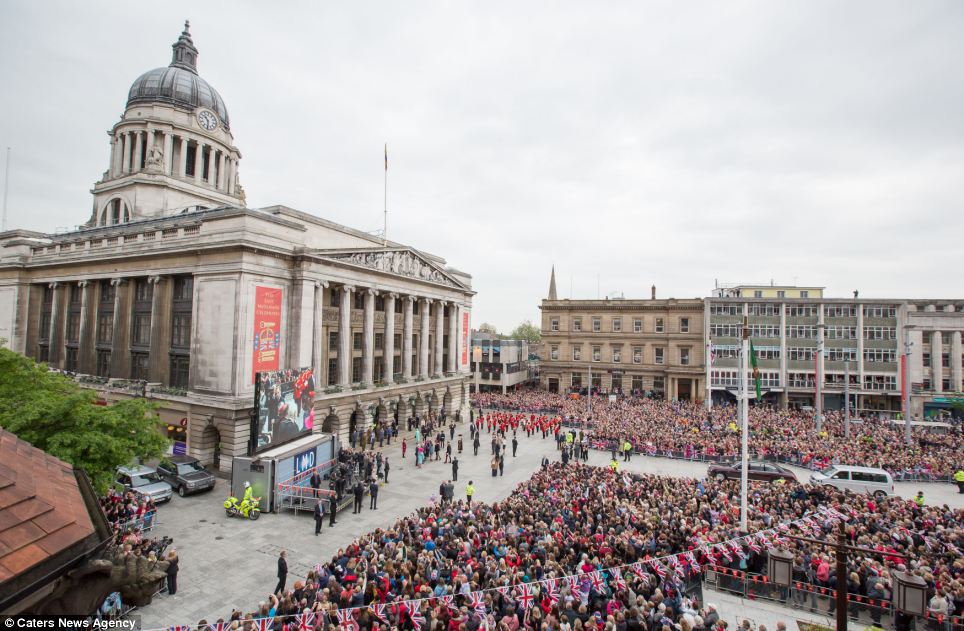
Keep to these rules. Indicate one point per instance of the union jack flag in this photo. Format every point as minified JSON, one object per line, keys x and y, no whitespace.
{"x":219,"y":626}
{"x":180,"y":627}
{"x":503,"y":589}
{"x":617,"y":578}
{"x":346,"y":619}
{"x":414,"y":608}
{"x":263,"y":624}
{"x":928,"y":543}
{"x":525,"y":595}
{"x":783,"y":527}
{"x":677,"y":567}
{"x":449,"y":602}
{"x":574,"y":584}
{"x":738,"y":549}
{"x":780,"y":540}
{"x":597,"y":581}
{"x":379,"y":610}
{"x":552,"y":590}
{"x":750,"y":541}
{"x":638,"y":569}
{"x":694,"y":564}
{"x":477,"y":602}
{"x":762,"y":536}
{"x":725,"y":552}
{"x":306,"y":621}
{"x":658,"y":568}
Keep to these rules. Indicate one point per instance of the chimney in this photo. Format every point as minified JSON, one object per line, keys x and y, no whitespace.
{"x":653,"y":295}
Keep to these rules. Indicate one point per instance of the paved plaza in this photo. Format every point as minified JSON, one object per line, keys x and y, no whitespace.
{"x":232,"y":563}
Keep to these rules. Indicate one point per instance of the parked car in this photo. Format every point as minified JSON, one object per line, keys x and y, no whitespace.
{"x":143,"y":480}
{"x":762,"y":471}
{"x":876,"y":482}
{"x":186,"y":474}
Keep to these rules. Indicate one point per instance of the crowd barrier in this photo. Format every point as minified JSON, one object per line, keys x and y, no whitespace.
{"x":820,"y":599}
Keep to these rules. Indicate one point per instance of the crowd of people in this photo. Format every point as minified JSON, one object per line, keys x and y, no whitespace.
{"x":690,"y":430}
{"x":544,"y":558}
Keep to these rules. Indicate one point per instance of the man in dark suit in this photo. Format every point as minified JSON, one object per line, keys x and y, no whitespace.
{"x":373,"y":492}
{"x":455,"y":469}
{"x":386,"y":470}
{"x":359,"y":493}
{"x":282,"y":573}
{"x":332,"y":509}
{"x":319,"y":516}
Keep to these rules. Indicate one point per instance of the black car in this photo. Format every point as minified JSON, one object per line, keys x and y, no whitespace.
{"x":185,"y":474}
{"x":762,"y":471}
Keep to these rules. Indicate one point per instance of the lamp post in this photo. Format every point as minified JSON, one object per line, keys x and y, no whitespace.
{"x":744,"y":424}
{"x":846,"y":389}
{"x":907,"y":345}
{"x":818,"y":378}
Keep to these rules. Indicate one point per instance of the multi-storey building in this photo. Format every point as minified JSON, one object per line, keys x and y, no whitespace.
{"x":176,"y":291}
{"x":651,"y":346}
{"x":504,"y":364}
{"x":862,"y":338}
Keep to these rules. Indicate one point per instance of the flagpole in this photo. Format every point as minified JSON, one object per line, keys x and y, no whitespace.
{"x":744,"y":424}
{"x":385,"y":223}
{"x":709,"y":375}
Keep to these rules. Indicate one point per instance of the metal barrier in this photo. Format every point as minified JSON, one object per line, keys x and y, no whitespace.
{"x":819,"y":599}
{"x":296,"y":493}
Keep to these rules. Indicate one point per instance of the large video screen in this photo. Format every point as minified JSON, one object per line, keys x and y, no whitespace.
{"x":284,"y":401}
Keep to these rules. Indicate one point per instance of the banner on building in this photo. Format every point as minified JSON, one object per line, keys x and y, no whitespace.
{"x":267,"y":330}
{"x":465,"y":338}
{"x":284,"y":403}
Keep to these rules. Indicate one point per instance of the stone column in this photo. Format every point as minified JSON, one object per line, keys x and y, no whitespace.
{"x":55,"y":335}
{"x":453,"y":338}
{"x":368,"y":339}
{"x":956,"y":361}
{"x":120,"y":360}
{"x":937,"y":369}
{"x":212,"y":166}
{"x":318,"y":343}
{"x":388,"y":349}
{"x":137,"y":165}
{"x":232,"y":173}
{"x":168,"y":153}
{"x":344,"y":336}
{"x":162,"y":295}
{"x":439,"y":338}
{"x":148,"y":145}
{"x":222,"y":174}
{"x":198,"y":161}
{"x":86,"y":337}
{"x":301,"y":324}
{"x":407,"y":302}
{"x":117,"y":157}
{"x":182,"y":167}
{"x":423,"y":339}
{"x":126,"y":159}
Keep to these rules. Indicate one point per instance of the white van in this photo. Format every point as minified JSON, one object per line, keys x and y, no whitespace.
{"x":869,"y":480}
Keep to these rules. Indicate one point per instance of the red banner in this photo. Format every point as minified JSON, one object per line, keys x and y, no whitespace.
{"x":267,"y":330}
{"x":465,"y":338}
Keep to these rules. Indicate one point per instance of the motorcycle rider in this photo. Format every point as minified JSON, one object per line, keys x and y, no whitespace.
{"x":248,"y":498}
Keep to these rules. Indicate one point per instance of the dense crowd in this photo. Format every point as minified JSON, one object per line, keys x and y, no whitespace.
{"x":689,"y":429}
{"x":543,"y":558}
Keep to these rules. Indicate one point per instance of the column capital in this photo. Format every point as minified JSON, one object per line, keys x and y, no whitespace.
{"x":156,"y":279}
{"x":54,"y":285}
{"x":442,"y":303}
{"x":391,"y":295}
{"x":410,"y":298}
{"x":370,"y":291}
{"x":117,"y":282}
{"x":427,"y":301}
{"x":83,"y":283}
{"x":321,"y":283}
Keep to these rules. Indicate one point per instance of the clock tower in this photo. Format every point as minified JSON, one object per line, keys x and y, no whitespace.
{"x":172,"y":150}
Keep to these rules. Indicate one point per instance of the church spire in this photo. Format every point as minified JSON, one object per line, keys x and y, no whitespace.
{"x":185,"y":54}
{"x":552,"y":284}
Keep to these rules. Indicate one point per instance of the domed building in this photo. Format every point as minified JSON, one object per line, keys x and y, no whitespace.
{"x":176,"y":291}
{"x":172,"y":150}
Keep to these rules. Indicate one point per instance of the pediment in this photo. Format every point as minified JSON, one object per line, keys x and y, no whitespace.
{"x":400,"y":262}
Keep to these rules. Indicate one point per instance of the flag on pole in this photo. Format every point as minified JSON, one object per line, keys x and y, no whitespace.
{"x":755,"y":370}
{"x":386,"y":156}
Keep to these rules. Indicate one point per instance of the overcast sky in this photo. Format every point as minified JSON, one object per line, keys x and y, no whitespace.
{"x":668,"y":143}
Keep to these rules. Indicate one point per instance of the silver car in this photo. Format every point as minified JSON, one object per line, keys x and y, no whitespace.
{"x":143,"y":480}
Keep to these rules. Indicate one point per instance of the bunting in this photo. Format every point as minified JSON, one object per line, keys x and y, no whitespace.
{"x":346,"y":619}
{"x":414,"y":608}
{"x":305,"y":620}
{"x":525,"y":595}
{"x":379,"y":610}
{"x":617,"y":578}
{"x":552,"y":591}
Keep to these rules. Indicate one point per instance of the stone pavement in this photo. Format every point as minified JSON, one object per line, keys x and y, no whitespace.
{"x":232,"y":563}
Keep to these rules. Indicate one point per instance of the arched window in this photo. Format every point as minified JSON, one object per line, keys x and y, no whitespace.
{"x":115,"y":212}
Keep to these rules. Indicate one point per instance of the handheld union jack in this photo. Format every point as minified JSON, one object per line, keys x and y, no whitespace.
{"x":179,"y":627}
{"x":737,"y":550}
{"x":306,"y":621}
{"x":380,"y":611}
{"x":503,"y":589}
{"x":725,"y":552}
{"x":263,"y":624}
{"x":552,"y":591}
{"x":639,"y":571}
{"x":694,"y":564}
{"x":658,"y":568}
{"x":597,"y":580}
{"x":346,"y":619}
{"x":477,"y":603}
{"x":414,"y":608}
{"x":617,"y":578}
{"x":677,"y":567}
{"x":525,"y":595}
{"x":449,"y":602}
{"x":219,"y":626}
{"x":754,"y":546}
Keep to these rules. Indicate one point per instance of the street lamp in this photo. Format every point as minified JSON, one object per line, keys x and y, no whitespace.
{"x":910,"y":593}
{"x":780,"y":567}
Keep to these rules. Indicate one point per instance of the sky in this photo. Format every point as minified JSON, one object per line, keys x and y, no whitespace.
{"x":629,"y":143}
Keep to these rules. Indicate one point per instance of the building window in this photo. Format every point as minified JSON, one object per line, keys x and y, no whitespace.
{"x":397,"y":339}
{"x":804,"y":293}
{"x":140,"y":366}
{"x":379,"y":303}
{"x":684,"y":325}
{"x":801,"y":331}
{"x":70,"y":359}
{"x":659,"y":385}
{"x":332,"y":372}
{"x":726,"y":309}
{"x":801,"y":353}
{"x":180,"y":371}
{"x":355,"y":369}
{"x":359,"y":300}
{"x":659,"y":356}
{"x":763,"y":309}
{"x":596,"y":354}
{"x":107,"y":291}
{"x":880,"y":332}
{"x":181,"y":329}
{"x":764,"y":330}
{"x":684,"y":357}
{"x":637,"y":383}
{"x":725,"y":330}
{"x":878,"y":355}
{"x":184,"y":288}
{"x":379,"y":341}
{"x":143,"y":291}
{"x":576,"y":353}
{"x":73,"y":326}
{"x":596,"y":325}
{"x":554,"y":353}
{"x":334,"y":297}
{"x":332,"y":341}
{"x":103,"y":363}
{"x":576,"y":380}
{"x":141,"y":329}
{"x":637,"y":325}
{"x":757,"y":293}
{"x":356,"y":342}
{"x":617,"y":325}
{"x":554,"y":324}
{"x":637,"y":355}
{"x":781,"y":294}
{"x":577,"y":324}
{"x":617,"y":356}
{"x":105,"y":328}
{"x":946,"y":360}
{"x":767,"y":352}
{"x":659,"y":325}
{"x":839,"y":311}
{"x":43,"y":353}
{"x":879,"y":311}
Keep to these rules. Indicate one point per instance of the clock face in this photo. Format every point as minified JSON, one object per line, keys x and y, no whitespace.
{"x":207,"y":120}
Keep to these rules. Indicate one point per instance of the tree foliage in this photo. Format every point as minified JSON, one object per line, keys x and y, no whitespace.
{"x":54,"y":414}
{"x":526,"y":331}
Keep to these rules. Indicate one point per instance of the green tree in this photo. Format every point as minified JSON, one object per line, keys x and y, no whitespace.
{"x":53,"y":413}
{"x":526,"y":331}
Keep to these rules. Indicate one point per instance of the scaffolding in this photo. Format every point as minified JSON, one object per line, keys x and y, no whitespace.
{"x":296,"y":493}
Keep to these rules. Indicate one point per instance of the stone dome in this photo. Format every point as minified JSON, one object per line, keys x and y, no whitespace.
{"x":179,"y":84}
